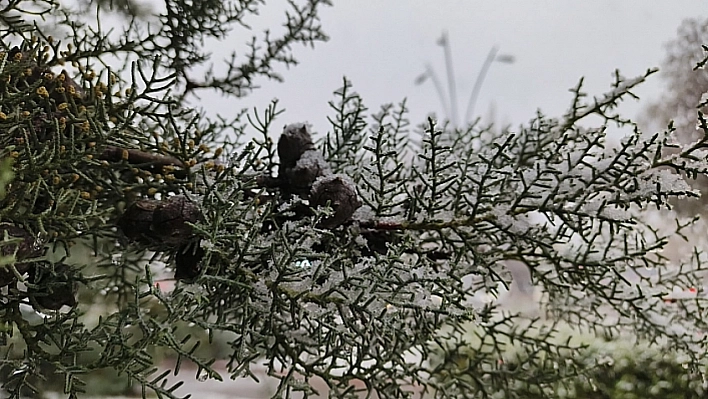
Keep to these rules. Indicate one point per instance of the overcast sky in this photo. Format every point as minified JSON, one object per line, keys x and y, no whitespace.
{"x":383,"y":45}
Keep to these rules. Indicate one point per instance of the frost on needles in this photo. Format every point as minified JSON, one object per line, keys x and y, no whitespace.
{"x":369,"y":258}
{"x":379,"y":297}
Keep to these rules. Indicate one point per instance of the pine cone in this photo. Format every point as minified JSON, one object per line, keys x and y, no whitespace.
{"x":58,"y":287}
{"x":170,"y":220}
{"x":136,"y":222}
{"x":187,"y":261}
{"x":294,"y":141}
{"x":339,"y":191}
{"x":306,"y":170}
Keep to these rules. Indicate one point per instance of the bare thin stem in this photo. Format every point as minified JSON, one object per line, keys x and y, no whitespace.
{"x":478,"y":83}
{"x":445,"y":42}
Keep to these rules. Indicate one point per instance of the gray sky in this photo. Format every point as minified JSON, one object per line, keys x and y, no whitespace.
{"x":383,"y":45}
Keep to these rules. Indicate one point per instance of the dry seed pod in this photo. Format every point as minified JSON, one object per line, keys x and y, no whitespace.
{"x":187,"y":260}
{"x":294,"y":141}
{"x":136,"y":221}
{"x":306,"y":170}
{"x":170,"y":218}
{"x":58,"y":288}
{"x":339,"y":191}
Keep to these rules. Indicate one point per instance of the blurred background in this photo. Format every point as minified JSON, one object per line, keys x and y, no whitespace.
{"x":544,"y":48}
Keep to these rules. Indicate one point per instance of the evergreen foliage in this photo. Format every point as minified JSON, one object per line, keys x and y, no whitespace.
{"x":686,"y":82}
{"x":618,"y":368}
{"x":349,"y":258}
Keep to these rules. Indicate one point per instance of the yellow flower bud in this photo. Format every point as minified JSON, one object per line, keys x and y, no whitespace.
{"x":42,"y":91}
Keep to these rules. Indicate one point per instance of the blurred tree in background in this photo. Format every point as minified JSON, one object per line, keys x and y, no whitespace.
{"x":683,"y":97}
{"x":367,"y":259}
{"x":685,"y":84}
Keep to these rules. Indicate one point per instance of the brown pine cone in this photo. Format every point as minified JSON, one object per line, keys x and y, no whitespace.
{"x":339,"y":191}
{"x":136,"y":222}
{"x":170,"y":220}
{"x":57,"y":287}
